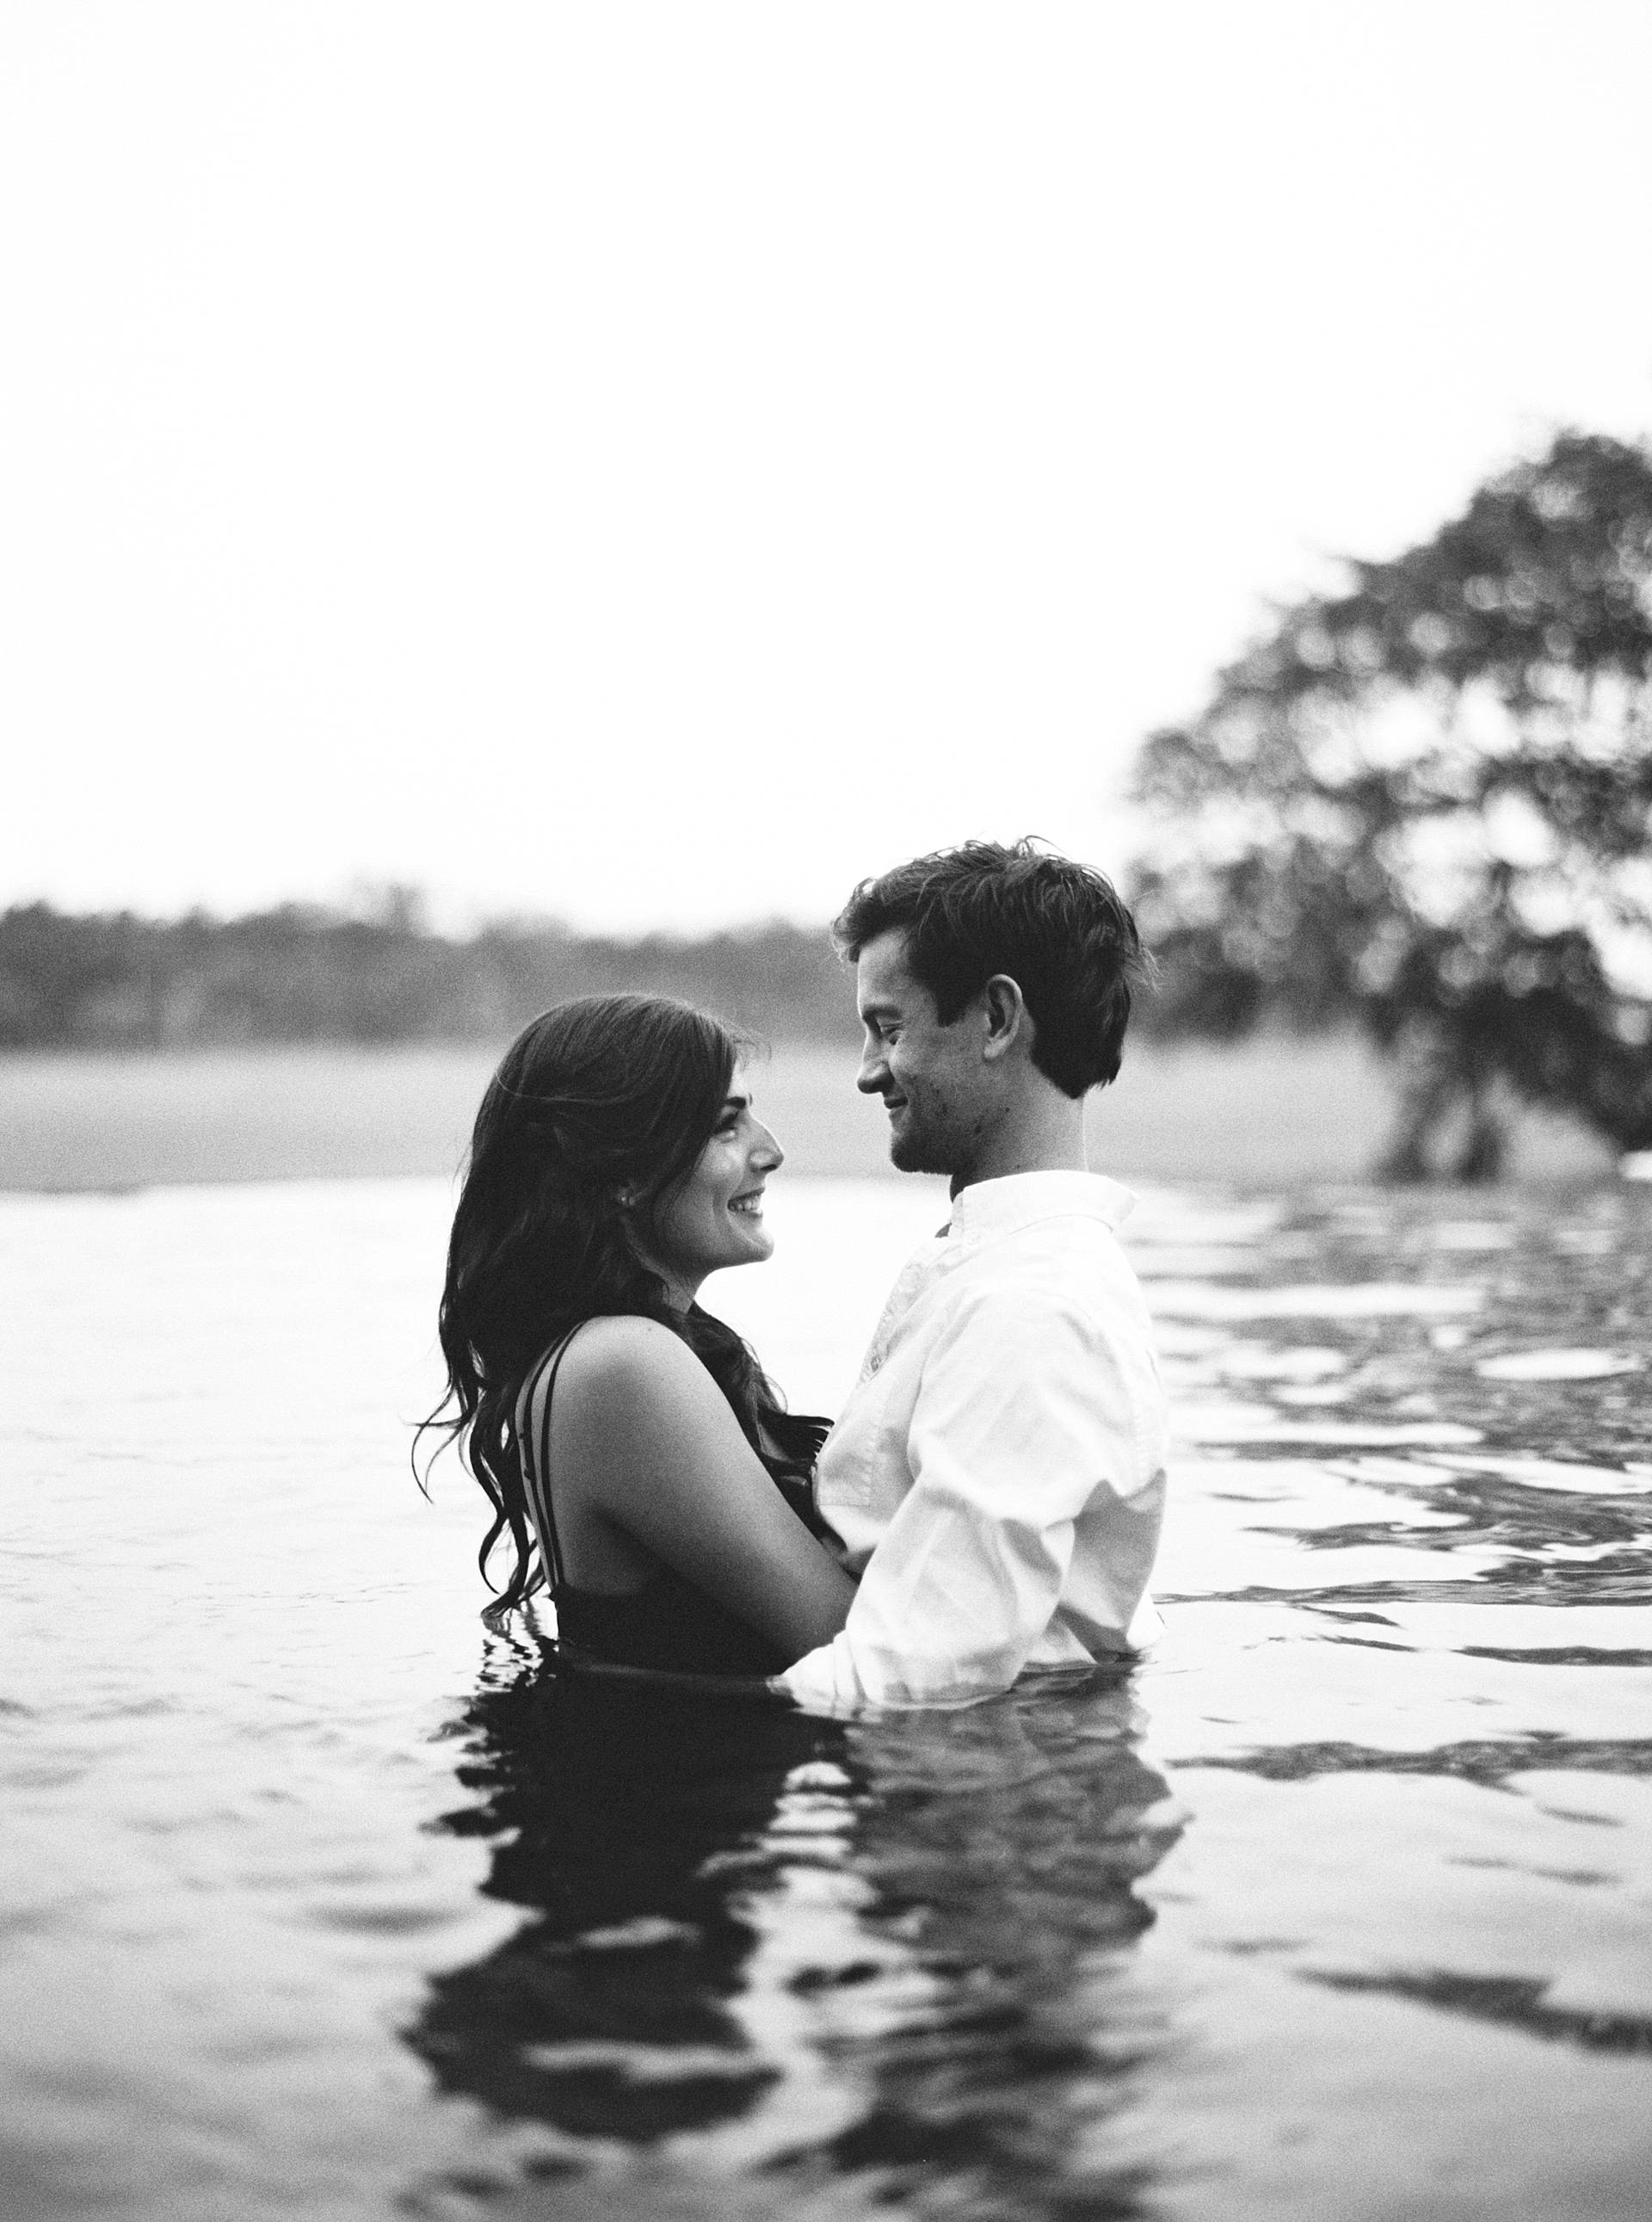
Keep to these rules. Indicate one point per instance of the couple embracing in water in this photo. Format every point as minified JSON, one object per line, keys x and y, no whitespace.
{"x":989,"y":1499}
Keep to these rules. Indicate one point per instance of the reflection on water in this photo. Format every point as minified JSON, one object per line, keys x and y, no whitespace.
{"x":953,"y":1998}
{"x":1337,"y":1905}
{"x":627,"y":1823}
{"x":1519,"y":2001}
{"x":1001,"y":1850}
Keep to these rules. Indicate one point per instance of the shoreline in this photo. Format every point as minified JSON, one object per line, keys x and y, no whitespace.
{"x":1266,"y":1112}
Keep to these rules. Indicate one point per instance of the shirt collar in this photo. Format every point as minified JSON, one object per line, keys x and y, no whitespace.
{"x":1017,"y":1200}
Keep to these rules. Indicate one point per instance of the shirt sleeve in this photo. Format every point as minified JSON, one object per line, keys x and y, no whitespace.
{"x":1022,"y":1412}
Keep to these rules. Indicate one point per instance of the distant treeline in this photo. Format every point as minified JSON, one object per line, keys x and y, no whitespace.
{"x":305,"y":973}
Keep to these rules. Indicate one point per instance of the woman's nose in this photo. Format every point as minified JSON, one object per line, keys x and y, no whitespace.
{"x":767,"y":1153}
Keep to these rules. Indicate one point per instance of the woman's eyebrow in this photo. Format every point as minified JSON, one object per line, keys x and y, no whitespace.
{"x":736,"y":1102}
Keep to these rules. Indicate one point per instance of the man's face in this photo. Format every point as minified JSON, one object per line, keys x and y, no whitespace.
{"x":931,"y":1077}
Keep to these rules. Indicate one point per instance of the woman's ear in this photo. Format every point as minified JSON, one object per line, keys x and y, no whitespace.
{"x":1005,"y":1013}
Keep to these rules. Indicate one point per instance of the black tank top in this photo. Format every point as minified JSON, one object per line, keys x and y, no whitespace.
{"x":669,"y":1624}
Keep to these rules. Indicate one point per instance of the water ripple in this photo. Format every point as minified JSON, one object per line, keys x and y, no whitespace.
{"x":320,"y":1901}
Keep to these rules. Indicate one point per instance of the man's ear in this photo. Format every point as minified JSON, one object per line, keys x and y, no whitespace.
{"x":1004,"y":1016}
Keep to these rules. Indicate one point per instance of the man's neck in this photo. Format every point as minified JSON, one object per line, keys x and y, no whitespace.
{"x":1047,"y":1137}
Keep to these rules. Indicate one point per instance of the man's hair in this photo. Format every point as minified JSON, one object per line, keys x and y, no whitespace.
{"x":1057,"y":928}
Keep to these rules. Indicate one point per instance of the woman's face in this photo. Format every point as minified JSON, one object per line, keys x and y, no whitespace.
{"x":716,"y":1216}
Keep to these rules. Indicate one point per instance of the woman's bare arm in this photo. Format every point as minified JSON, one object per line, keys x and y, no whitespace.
{"x":642,"y":1435}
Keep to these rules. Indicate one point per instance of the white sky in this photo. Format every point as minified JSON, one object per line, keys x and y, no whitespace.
{"x":656,"y":464}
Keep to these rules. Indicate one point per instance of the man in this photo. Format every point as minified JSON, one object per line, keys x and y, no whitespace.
{"x":998,"y":1470}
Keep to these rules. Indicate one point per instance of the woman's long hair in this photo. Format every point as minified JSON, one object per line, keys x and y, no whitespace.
{"x":601,"y":1095}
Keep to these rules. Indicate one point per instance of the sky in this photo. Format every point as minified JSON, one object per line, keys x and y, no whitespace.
{"x":654,"y":465}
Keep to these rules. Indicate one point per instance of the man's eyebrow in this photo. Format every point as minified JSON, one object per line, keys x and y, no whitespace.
{"x":880,"y":1008}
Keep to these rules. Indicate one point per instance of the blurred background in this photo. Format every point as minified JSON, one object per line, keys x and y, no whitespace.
{"x":504,"y":503}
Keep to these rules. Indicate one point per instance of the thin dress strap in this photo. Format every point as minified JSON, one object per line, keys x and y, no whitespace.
{"x":533,"y":1449}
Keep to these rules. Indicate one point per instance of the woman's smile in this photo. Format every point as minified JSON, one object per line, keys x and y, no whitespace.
{"x":716,"y":1216}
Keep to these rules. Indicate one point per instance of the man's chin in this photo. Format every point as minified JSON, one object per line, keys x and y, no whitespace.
{"x":910,"y":1153}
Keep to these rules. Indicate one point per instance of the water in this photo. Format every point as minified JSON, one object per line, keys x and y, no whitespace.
{"x":317,"y":1902}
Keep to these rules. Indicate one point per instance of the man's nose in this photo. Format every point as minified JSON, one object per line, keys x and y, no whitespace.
{"x":874,"y":1069}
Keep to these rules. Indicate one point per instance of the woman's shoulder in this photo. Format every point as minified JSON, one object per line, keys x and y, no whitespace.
{"x":625,"y":1353}
{"x":631,"y":1401}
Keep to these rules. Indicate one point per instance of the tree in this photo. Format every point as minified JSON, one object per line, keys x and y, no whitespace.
{"x":1425,"y":804}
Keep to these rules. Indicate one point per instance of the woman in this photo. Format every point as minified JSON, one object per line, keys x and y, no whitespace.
{"x":614,"y":1163}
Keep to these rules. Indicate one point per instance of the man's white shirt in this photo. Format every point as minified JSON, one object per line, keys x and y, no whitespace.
{"x":998,"y":1471}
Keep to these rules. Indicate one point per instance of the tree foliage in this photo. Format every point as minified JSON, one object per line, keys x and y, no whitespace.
{"x":306,"y":974}
{"x":1425,"y":804}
